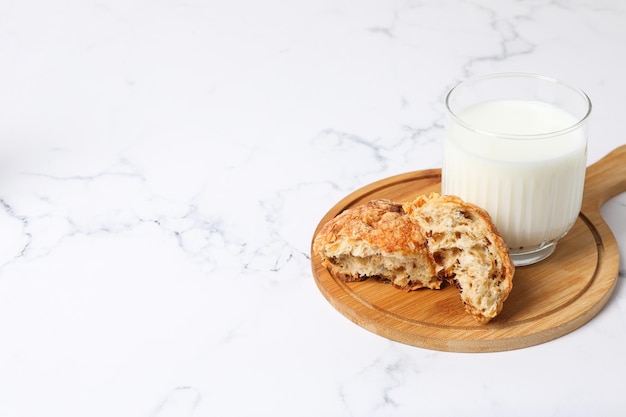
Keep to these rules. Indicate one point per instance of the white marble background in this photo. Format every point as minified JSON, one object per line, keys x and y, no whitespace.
{"x":163,"y":165}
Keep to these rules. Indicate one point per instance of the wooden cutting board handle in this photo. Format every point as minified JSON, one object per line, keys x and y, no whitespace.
{"x":605,"y":179}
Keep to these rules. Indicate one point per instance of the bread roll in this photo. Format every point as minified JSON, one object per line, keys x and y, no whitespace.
{"x":468,"y":251}
{"x":377,"y":240}
{"x":421,"y":244}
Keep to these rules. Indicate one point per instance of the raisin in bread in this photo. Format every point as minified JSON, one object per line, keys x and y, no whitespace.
{"x":468,"y":250}
{"x":377,"y":240}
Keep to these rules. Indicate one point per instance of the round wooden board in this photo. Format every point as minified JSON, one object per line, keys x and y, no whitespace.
{"x":548,"y":300}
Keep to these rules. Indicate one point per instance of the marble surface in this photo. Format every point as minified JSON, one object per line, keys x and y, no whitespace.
{"x":163,"y":165}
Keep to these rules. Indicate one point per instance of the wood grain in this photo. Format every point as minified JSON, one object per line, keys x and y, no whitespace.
{"x":549,"y":299}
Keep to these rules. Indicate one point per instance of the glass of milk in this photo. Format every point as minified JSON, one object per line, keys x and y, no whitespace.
{"x":516,"y":145}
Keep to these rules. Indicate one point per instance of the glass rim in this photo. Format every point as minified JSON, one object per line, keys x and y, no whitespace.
{"x":526,"y":75}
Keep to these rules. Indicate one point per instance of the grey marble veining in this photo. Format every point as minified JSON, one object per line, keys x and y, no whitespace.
{"x":163,"y":166}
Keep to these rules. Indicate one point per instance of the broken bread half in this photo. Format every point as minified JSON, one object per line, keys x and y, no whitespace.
{"x":468,"y":251}
{"x":377,"y":240}
{"x":421,"y":244}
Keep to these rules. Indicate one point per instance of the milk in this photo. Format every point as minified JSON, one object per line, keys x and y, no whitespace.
{"x":507,"y":162}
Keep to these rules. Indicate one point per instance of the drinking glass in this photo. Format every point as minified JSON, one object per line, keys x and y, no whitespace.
{"x":516,"y":145}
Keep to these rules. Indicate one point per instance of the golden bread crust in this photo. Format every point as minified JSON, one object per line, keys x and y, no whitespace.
{"x":377,"y":240}
{"x":380,"y":223}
